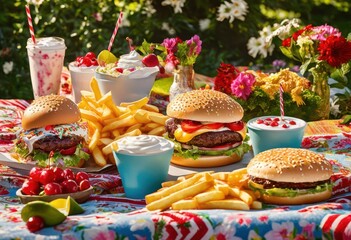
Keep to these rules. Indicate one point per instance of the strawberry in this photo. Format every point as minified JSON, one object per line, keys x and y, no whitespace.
{"x":150,"y":60}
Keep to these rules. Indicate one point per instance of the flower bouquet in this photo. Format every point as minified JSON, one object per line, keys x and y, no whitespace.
{"x":322,"y":51}
{"x":258,"y":92}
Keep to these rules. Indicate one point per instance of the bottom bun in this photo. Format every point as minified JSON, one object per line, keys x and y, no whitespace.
{"x":301,"y":199}
{"x":206,"y":161}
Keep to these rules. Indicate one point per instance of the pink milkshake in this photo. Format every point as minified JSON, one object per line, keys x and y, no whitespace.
{"x":45,"y":62}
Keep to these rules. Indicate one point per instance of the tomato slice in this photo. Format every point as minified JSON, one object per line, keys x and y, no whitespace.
{"x":190,"y":126}
{"x":68,"y":151}
{"x":213,"y":125}
{"x":235,"y":126}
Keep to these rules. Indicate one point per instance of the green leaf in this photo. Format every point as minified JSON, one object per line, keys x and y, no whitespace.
{"x":346,"y":120}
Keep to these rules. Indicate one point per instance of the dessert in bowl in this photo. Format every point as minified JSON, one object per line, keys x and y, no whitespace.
{"x":270,"y":132}
{"x":129,"y":79}
{"x":81,"y":71}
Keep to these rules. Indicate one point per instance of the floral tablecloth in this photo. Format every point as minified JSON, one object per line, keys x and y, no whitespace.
{"x":108,"y":215}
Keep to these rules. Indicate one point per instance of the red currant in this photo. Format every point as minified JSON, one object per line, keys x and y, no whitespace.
{"x":31,"y":187}
{"x":80,"y":176}
{"x":35,"y":223}
{"x":35,"y":173}
{"x":69,"y":174}
{"x":52,"y":189}
{"x":46,"y":176}
{"x":69,"y":186}
{"x":85,"y":184}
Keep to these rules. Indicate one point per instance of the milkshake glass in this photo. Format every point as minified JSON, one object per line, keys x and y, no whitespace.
{"x":45,"y":62}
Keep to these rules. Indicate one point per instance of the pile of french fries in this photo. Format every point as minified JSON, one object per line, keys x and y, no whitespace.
{"x":108,"y":122}
{"x":205,"y":190}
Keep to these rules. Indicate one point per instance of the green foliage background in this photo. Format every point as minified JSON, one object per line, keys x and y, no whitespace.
{"x":74,"y":21}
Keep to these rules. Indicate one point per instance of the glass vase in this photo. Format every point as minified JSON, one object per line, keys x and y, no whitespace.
{"x":321,"y":87}
{"x":183,"y":81}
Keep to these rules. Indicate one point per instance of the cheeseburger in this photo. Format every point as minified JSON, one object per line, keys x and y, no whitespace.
{"x":51,"y":132}
{"x":290,"y":176}
{"x":207,"y":130}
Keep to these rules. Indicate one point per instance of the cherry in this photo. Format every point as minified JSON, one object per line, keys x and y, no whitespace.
{"x":274,"y":124}
{"x":69,"y":186}
{"x":35,"y":223}
{"x":267,"y":123}
{"x":292,"y":122}
{"x":85,"y":61}
{"x":90,"y":55}
{"x":120,"y":70}
{"x":85,"y":184}
{"x":80,"y":176}
{"x":30,"y":187}
{"x":276,"y":119}
{"x":268,"y":119}
{"x":59,"y":175}
{"x":46,"y":176}
{"x":69,"y":174}
{"x":52,"y":189}
{"x":35,"y":173}
{"x":285,"y":126}
{"x":260,"y":121}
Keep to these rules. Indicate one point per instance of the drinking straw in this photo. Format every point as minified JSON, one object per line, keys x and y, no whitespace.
{"x":118,"y":23}
{"x":30,"y":24}
{"x":281,"y":90}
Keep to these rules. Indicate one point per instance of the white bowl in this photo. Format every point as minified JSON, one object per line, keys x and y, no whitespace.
{"x":80,"y":77}
{"x":128,"y":87}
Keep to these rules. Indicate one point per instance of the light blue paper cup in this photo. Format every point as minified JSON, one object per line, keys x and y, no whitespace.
{"x":264,"y":138}
{"x":143,"y":174}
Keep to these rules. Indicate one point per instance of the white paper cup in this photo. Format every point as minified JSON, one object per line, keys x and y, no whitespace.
{"x":45,"y":63}
{"x":80,"y":77}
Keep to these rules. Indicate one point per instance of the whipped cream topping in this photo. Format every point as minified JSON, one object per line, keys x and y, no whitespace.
{"x":73,"y":66}
{"x":143,"y":145}
{"x":130,"y":60}
{"x":33,"y":135}
{"x":276,"y":123}
{"x":47,"y":43}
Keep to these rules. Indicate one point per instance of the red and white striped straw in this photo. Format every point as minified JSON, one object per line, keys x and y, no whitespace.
{"x":30,"y":24}
{"x":118,"y":23}
{"x":281,"y":90}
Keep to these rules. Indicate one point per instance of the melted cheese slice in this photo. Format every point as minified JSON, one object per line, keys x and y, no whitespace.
{"x":184,"y":137}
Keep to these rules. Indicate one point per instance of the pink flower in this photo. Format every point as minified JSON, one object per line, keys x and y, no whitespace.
{"x":195,"y":45}
{"x":321,"y":33}
{"x":242,"y":86}
{"x":171,"y":44}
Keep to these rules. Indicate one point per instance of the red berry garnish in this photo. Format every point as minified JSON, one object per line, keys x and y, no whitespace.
{"x":35,"y":223}
{"x":267,"y":123}
{"x":69,"y":186}
{"x":84,"y":62}
{"x":120,"y":70}
{"x":46,"y":176}
{"x":90,"y":55}
{"x":30,"y":187}
{"x":80,"y":176}
{"x":276,"y":119}
{"x":268,"y":119}
{"x":274,"y":124}
{"x":69,"y":174}
{"x":52,"y":189}
{"x":260,"y":121}
{"x":285,"y":126}
{"x":85,"y":184}
{"x":34,"y":173}
{"x":292,"y":122}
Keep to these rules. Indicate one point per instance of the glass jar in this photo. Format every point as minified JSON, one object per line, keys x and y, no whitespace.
{"x":183,"y":81}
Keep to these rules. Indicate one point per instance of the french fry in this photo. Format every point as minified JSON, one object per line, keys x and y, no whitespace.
{"x":133,"y":127}
{"x":158,"y":118}
{"x":142,"y":116}
{"x":95,"y":88}
{"x":242,"y":194}
{"x":157,"y":131}
{"x":185,"y":204}
{"x":221,"y":176}
{"x":191,"y":191}
{"x":136,"y":104}
{"x":169,"y":183}
{"x":256,"y":205}
{"x":124,"y":122}
{"x":107,"y":149}
{"x":225,"y":204}
{"x":94,"y":139}
{"x":150,"y":108}
{"x":105,"y":141}
{"x":209,"y":196}
{"x":89,"y":115}
{"x":98,"y":157}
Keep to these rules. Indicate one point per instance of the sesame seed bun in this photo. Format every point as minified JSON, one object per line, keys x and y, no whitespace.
{"x":205,"y":105}
{"x":50,"y":110}
{"x":290,"y":165}
{"x":205,"y":161}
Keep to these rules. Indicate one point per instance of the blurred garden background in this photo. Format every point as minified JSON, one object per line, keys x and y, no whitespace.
{"x":232,"y":31}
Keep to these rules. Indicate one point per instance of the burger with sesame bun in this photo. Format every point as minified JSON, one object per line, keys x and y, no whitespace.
{"x":290,"y":176}
{"x":52,"y":134}
{"x":207,"y":129}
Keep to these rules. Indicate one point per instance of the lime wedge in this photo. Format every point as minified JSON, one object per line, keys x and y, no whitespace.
{"x":106,"y":57}
{"x":51,"y":215}
{"x":67,"y":206}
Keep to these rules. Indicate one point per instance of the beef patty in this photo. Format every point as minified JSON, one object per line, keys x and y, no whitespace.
{"x":267,"y":184}
{"x":54,"y":143}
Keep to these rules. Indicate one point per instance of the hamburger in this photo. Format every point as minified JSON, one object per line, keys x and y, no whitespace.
{"x":290,"y":176}
{"x":207,"y":129}
{"x":52,"y":134}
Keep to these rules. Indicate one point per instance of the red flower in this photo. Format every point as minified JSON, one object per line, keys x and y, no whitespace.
{"x":286,"y":42}
{"x":299,"y":32}
{"x":226,"y":75}
{"x":335,"y":51}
